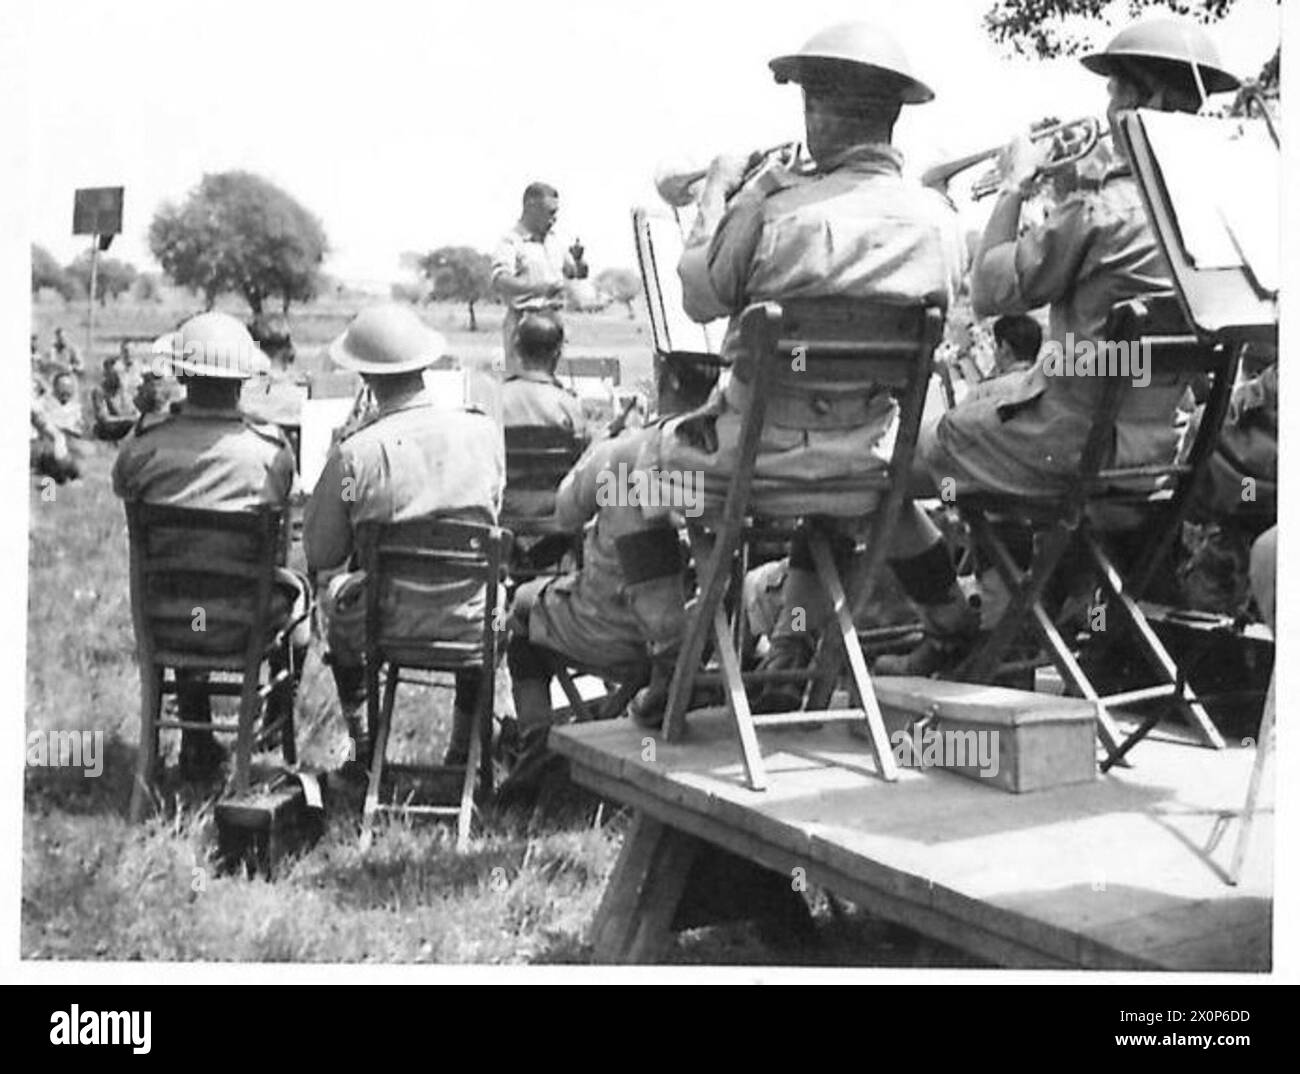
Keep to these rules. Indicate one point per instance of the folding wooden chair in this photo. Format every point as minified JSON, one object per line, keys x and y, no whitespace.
{"x":863,"y":345}
{"x":444,"y":560}
{"x":202,"y":584}
{"x":1159,"y":492}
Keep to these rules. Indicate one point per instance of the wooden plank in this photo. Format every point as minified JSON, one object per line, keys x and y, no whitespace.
{"x":910,"y":912}
{"x":1052,"y":873}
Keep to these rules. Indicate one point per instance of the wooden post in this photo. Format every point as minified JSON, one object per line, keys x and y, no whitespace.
{"x":90,"y":322}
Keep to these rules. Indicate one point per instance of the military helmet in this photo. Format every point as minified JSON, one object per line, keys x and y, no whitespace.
{"x":385,"y":340}
{"x":854,"y":52}
{"x":1162,"y":42}
{"x":211,"y":345}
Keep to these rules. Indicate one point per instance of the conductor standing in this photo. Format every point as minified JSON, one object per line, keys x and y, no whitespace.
{"x":529,"y":268}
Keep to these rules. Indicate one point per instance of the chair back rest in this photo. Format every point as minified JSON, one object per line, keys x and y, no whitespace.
{"x":431,"y":591}
{"x":538,"y":457}
{"x":1153,"y":334}
{"x":201,"y":580}
{"x":839,"y":343}
{"x":587,"y":368}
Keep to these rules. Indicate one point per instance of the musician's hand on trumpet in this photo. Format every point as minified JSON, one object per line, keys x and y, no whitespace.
{"x":1022,"y":160}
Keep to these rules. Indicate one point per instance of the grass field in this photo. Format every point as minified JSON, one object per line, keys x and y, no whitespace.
{"x":95,"y":887}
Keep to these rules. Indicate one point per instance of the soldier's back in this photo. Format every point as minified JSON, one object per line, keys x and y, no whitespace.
{"x":421,"y":460}
{"x":209,"y":459}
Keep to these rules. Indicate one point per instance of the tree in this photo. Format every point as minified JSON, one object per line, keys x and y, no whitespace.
{"x":46,"y":272}
{"x":239,"y":232}
{"x":146,"y":288}
{"x":622,"y":285}
{"x":458,"y":274}
{"x":112,"y":277}
{"x":1042,"y":28}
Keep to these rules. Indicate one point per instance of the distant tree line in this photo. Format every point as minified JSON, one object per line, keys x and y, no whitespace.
{"x":112,"y":277}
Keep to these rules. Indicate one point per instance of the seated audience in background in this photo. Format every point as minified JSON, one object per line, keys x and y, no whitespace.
{"x":51,"y":454}
{"x":64,"y":355}
{"x":111,"y":405}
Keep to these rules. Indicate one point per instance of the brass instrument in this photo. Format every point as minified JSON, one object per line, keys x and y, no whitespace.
{"x":1071,"y":141}
{"x":680,"y":186}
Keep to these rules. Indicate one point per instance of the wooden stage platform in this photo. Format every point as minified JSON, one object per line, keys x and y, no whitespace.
{"x":1127,"y":872}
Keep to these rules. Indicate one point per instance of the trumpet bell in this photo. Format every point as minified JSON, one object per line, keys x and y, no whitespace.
{"x":677,"y":182}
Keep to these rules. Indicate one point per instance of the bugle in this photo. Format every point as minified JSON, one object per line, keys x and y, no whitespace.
{"x":679,"y":185}
{"x":1071,"y":142}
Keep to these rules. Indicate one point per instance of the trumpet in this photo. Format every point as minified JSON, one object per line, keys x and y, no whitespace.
{"x":1071,"y":142}
{"x":679,"y":185}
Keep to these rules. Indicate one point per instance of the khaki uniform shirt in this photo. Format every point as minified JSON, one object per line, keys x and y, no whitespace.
{"x":523,"y":256}
{"x":412,"y":460}
{"x":531,"y":397}
{"x":220,"y":460}
{"x":534,"y":398}
{"x":852,"y":228}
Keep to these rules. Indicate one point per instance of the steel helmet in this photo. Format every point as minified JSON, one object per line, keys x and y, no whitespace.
{"x":854,"y":49}
{"x":1165,"y":41}
{"x":211,"y":345}
{"x":387,"y":339}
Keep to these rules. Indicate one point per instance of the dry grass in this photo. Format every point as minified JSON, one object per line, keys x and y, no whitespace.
{"x":95,"y":887}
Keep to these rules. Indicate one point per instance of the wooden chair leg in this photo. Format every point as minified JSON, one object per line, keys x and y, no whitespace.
{"x":842,"y":622}
{"x":738,"y":703}
{"x":1262,"y":750}
{"x":378,"y":743}
{"x":146,"y":762}
{"x":486,"y":710}
{"x":249,"y":706}
{"x":465,"y":817}
{"x":1152,"y":649}
{"x":716,"y":568}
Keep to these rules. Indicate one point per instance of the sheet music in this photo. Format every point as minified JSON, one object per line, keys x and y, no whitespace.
{"x":659,"y":248}
{"x":1222,"y":176}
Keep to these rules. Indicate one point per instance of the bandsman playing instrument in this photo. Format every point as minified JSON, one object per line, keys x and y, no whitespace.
{"x":410,"y":460}
{"x":626,"y":606}
{"x":535,"y":395}
{"x":1094,"y":249}
{"x":206,"y":453}
{"x":851,"y":226}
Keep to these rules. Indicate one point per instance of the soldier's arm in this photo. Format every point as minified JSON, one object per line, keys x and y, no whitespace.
{"x":715,"y":268}
{"x":327,"y":523}
{"x":580,"y":493}
{"x":1015,"y":274}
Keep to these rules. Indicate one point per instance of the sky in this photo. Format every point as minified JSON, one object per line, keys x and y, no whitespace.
{"x":406,"y":126}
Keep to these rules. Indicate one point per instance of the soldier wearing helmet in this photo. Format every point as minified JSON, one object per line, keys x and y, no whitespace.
{"x":1094,"y":249}
{"x":206,"y":453}
{"x":410,"y":459}
{"x":850,"y":225}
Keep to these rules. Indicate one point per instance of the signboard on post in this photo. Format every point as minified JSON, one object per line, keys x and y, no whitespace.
{"x":97,"y":212}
